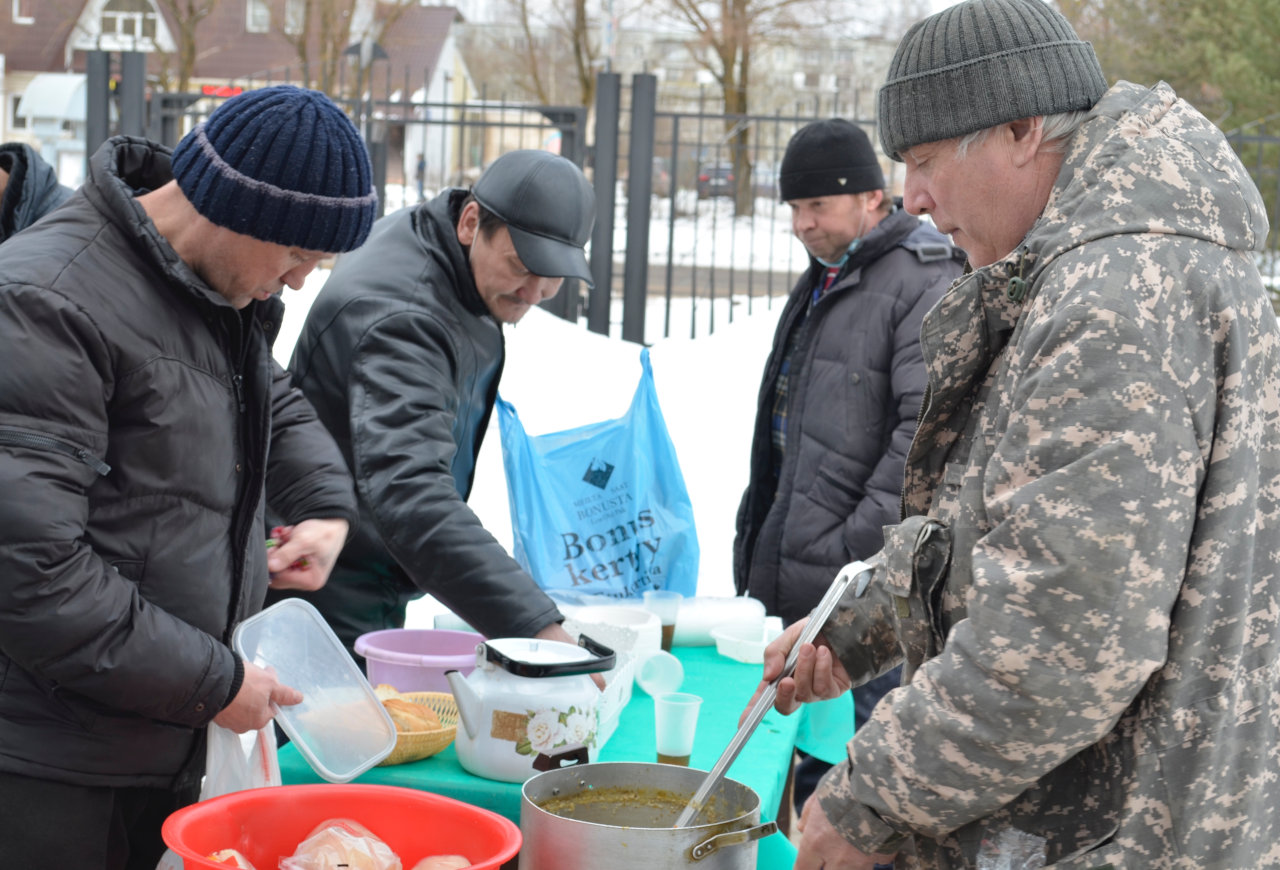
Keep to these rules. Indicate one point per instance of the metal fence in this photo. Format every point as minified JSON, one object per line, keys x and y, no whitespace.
{"x":687,"y":206}
{"x":1258,"y":145}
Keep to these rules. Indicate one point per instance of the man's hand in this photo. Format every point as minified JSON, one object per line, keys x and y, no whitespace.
{"x":818,"y":676}
{"x":555,"y":631}
{"x":254,"y":705}
{"x":822,"y":846}
{"x":303,"y":555}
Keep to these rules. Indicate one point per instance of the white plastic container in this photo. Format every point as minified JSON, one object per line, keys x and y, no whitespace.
{"x":746,"y":642}
{"x":340,"y":727}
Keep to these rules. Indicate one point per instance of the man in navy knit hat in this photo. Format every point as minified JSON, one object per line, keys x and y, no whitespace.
{"x":144,"y":431}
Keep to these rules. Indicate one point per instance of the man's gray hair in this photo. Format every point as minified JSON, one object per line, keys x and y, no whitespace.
{"x":1058,"y":130}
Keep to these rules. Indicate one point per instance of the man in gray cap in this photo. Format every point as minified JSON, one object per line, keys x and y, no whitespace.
{"x":820,"y":489}
{"x":1084,"y":592}
{"x":401,"y":355}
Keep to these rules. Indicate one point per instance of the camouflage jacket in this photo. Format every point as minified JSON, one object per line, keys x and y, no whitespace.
{"x":1085,"y":590}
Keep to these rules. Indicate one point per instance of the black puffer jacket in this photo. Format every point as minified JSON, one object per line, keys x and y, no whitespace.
{"x":142,"y":422}
{"x":401,"y":359}
{"x":857,"y":379}
{"x":32,"y":192}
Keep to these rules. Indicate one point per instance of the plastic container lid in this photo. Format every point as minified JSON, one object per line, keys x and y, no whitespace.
{"x":340,"y":727}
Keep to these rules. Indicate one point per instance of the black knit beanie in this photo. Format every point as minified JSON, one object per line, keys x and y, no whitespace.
{"x":282,"y":164}
{"x":980,"y":64}
{"x":826,"y":158}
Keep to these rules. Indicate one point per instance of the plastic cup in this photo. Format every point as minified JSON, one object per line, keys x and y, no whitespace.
{"x":675,"y":717}
{"x":666,"y":604}
{"x":659,"y":673}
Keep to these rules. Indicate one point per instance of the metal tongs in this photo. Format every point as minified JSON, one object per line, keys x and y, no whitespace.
{"x":848,"y":574}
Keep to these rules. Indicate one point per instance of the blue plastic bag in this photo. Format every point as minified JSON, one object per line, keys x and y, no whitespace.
{"x":602,"y":509}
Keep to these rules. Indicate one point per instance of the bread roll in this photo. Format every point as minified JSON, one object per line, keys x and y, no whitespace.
{"x":442,"y":862}
{"x":409,"y":716}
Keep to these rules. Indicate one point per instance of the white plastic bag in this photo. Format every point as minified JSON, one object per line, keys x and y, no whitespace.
{"x":233,"y":762}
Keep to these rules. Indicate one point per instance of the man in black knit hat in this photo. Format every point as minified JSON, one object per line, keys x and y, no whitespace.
{"x":144,"y":429}
{"x":838,"y":404}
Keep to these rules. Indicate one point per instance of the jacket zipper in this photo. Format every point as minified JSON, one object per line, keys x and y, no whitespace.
{"x":47,"y":442}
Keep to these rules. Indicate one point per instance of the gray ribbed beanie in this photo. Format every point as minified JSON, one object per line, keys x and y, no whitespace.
{"x":980,"y":64}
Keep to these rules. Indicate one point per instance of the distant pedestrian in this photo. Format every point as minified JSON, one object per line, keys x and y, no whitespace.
{"x":420,"y":176}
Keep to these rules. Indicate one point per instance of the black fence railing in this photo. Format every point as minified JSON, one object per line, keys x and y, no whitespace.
{"x":689,"y":232}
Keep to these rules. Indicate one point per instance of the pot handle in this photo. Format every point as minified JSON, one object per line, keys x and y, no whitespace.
{"x":576,"y":754}
{"x":733,"y":838}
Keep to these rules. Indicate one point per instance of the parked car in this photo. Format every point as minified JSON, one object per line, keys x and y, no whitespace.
{"x":715,"y":179}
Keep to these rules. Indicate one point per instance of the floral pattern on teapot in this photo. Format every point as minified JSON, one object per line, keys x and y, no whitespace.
{"x":548,"y":729}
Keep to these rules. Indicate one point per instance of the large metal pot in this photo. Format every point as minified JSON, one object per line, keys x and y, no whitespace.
{"x":620,"y":815}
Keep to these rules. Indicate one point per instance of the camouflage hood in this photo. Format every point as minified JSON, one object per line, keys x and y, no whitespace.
{"x":1150,"y":133}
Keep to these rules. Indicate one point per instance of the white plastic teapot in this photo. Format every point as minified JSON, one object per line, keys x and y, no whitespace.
{"x":527,"y":701}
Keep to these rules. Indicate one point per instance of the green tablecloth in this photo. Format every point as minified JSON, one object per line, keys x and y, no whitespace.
{"x":725,"y":686}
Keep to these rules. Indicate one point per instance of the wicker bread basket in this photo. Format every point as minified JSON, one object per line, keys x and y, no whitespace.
{"x":417,"y":745}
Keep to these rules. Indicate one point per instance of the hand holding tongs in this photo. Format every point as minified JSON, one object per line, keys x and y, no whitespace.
{"x":817,"y":619}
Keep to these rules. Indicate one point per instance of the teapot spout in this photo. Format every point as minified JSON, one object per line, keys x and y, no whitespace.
{"x":468,"y":703}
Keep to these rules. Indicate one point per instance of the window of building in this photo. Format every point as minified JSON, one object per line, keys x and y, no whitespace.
{"x":24,"y":11}
{"x":257,"y":16}
{"x":128,"y":24}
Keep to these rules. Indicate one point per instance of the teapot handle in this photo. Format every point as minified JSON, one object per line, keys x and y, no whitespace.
{"x":575,"y":754}
{"x":604,"y":660}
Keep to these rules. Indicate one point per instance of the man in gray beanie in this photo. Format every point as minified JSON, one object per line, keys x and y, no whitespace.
{"x":874,"y":271}
{"x":1084,"y":590}
{"x":144,"y":431}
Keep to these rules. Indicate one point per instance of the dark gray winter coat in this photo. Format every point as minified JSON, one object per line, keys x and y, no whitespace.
{"x":856,"y":380}
{"x":32,"y":192}
{"x":143,"y":425}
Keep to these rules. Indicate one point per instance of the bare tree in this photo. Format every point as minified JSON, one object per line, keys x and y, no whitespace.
{"x":321,"y":31}
{"x":186,"y":16}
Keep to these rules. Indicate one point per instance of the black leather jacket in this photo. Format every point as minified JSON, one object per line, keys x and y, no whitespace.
{"x":401,"y":359}
{"x":143,"y":427}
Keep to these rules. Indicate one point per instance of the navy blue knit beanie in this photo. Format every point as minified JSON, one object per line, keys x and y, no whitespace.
{"x":282,"y":164}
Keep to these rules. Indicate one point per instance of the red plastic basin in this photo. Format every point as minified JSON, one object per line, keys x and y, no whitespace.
{"x":267,"y":824}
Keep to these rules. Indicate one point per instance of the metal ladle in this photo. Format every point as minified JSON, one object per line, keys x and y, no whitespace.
{"x":817,"y":619}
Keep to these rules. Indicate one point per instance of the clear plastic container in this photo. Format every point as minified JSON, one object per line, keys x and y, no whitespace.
{"x":340,"y":727}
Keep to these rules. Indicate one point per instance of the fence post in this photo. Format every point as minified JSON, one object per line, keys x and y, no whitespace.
{"x":98,"y":102}
{"x":635,"y":270}
{"x":133,"y":100}
{"x":605,"y":173}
